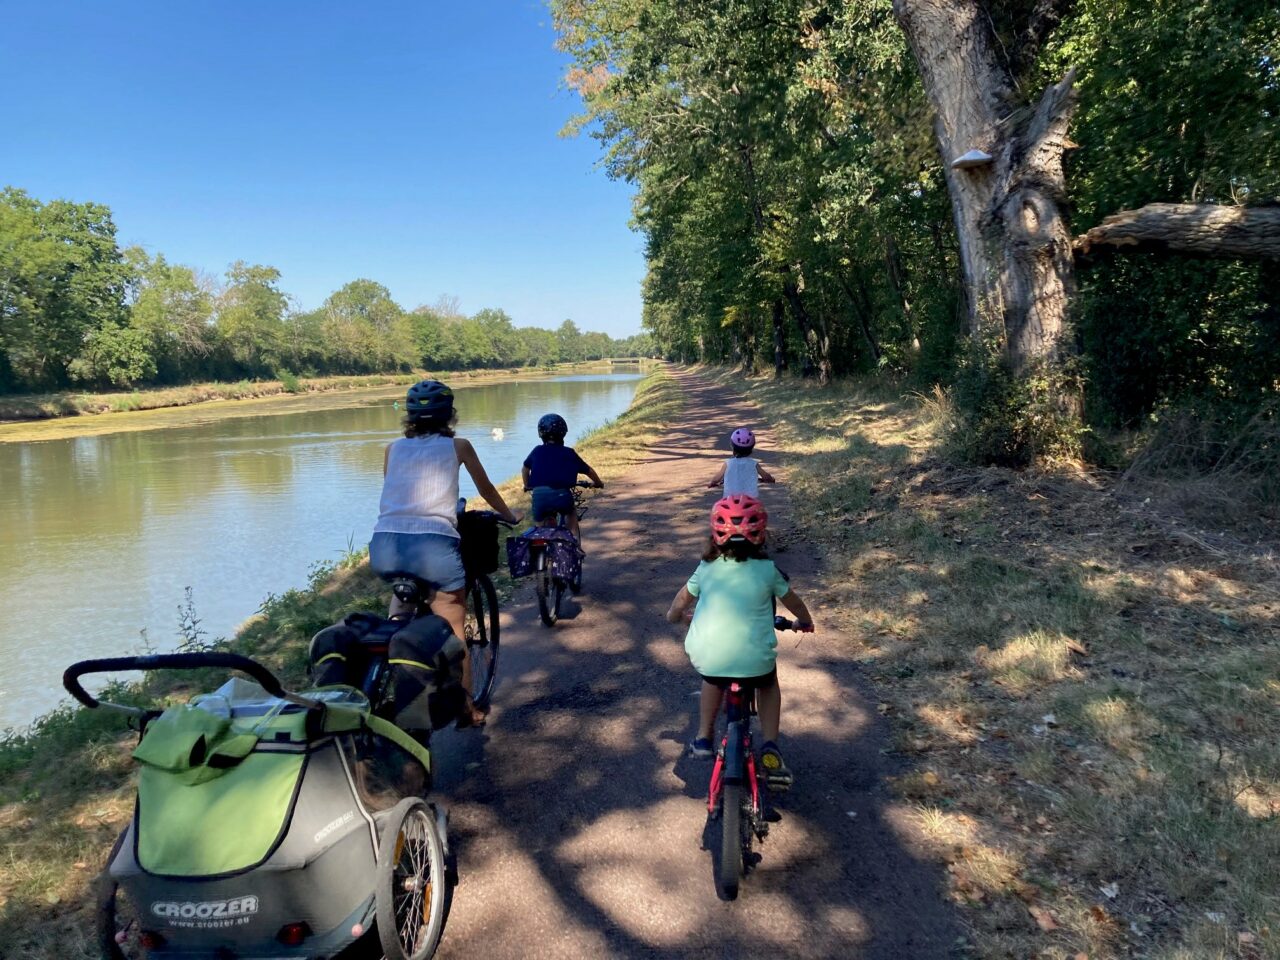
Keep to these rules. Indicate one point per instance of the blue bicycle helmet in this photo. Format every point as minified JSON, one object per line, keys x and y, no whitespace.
{"x":429,"y":400}
{"x":552,"y":428}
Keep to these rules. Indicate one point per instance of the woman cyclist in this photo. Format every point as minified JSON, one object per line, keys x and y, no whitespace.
{"x":417,"y":528}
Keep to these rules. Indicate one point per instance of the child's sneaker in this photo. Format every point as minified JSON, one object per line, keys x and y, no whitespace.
{"x":702,"y":749}
{"x":775,"y":769}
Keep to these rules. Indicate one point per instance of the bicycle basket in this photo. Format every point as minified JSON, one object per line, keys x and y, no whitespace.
{"x":479,"y":542}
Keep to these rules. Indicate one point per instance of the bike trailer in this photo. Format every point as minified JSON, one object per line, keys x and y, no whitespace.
{"x":255,"y":828}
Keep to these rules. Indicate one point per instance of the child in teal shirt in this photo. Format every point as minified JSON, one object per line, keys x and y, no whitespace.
{"x":731,"y":635}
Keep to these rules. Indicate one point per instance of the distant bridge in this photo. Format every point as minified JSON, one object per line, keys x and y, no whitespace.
{"x":635,"y":360}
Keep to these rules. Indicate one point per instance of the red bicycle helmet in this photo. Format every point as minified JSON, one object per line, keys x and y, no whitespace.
{"x":743,"y":437}
{"x":738,"y":516}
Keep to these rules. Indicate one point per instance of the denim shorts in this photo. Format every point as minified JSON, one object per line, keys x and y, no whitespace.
{"x":433,"y":557}
{"x":549,"y":501}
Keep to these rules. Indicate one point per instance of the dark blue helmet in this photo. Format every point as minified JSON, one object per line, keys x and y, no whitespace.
{"x":429,"y":400}
{"x":552,"y":428}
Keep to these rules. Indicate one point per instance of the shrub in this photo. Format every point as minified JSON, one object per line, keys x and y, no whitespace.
{"x":1013,"y":420}
{"x":289,"y":382}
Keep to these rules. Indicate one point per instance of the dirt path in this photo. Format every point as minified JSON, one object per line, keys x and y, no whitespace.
{"x":578,"y":820}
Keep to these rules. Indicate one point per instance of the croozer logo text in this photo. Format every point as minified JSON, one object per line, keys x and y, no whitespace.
{"x":208,"y":913}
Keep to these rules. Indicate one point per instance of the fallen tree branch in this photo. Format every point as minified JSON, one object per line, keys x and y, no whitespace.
{"x":1196,"y":229}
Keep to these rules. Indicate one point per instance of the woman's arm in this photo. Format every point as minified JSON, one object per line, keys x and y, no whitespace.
{"x":468,"y":458}
{"x":680,"y":606}
{"x":793,"y":603}
{"x":764,"y":474}
{"x":386,"y":458}
{"x":718,"y":480}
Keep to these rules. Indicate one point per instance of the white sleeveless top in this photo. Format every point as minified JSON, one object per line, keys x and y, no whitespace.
{"x":740,"y":477}
{"x":420,"y":490}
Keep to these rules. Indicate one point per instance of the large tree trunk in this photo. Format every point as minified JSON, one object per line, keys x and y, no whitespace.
{"x":1014,"y":246}
{"x":1198,"y":229}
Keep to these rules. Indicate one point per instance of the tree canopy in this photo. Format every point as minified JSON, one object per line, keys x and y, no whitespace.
{"x":797,"y":210}
{"x":77,"y":309}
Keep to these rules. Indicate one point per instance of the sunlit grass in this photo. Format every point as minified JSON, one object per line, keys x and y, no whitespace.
{"x":1088,"y":702}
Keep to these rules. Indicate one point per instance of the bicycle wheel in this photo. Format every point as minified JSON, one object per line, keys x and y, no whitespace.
{"x":482,"y":639}
{"x":119,"y":920}
{"x":410,"y":891}
{"x":549,"y":592}
{"x":729,"y":856}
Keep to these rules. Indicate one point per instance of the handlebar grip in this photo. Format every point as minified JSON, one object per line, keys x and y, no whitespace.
{"x":167,"y":661}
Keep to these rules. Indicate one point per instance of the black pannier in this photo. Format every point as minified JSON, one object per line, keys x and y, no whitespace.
{"x":479,"y":546}
{"x":337,"y":655}
{"x":426,"y":657}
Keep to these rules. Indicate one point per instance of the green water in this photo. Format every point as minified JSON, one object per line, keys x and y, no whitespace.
{"x":100,"y":535}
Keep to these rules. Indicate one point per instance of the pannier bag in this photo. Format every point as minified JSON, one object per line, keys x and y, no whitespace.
{"x":479,"y":542}
{"x":425,"y":657}
{"x":337,"y":656}
{"x":564,"y":557}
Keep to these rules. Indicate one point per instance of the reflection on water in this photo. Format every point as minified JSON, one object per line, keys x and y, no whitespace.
{"x":100,"y":535}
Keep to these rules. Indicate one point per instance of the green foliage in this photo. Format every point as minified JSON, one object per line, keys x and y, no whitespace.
{"x":785,"y":170}
{"x":61,"y":278}
{"x":289,"y":381}
{"x":1009,"y":420}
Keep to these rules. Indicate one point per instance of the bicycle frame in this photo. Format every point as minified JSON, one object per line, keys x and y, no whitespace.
{"x":735,"y":760}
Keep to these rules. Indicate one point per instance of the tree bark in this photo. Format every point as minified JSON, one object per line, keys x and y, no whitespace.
{"x":861,"y":304}
{"x":1197,"y":229}
{"x":779,"y":339}
{"x":1014,"y":246}
{"x":821,"y":345}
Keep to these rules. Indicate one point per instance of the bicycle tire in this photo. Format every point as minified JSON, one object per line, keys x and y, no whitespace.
{"x":482,"y":648}
{"x":396,"y":925}
{"x":114,"y":918}
{"x":729,"y":856}
{"x":548,"y":604}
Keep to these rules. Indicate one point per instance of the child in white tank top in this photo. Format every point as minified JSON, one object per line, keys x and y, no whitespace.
{"x":742,"y":473}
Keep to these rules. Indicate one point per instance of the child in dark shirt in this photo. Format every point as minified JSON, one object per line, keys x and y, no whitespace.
{"x":551,"y":470}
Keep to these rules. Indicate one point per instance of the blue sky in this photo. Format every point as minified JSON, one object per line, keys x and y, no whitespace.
{"x":415,"y":144}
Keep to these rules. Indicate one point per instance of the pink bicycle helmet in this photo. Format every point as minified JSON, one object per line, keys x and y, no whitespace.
{"x":738,"y":516}
{"x":742,"y":437}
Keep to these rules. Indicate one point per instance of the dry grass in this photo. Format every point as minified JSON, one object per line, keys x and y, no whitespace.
{"x":66,"y":787}
{"x":1091,"y":699}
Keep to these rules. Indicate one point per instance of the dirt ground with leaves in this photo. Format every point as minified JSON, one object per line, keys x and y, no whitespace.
{"x":1085,"y":676}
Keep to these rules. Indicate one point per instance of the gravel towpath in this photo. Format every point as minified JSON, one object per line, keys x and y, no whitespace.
{"x":579,"y":823}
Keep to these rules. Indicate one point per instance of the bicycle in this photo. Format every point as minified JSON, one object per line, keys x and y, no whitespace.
{"x":481,"y":628}
{"x":736,"y":795}
{"x":549,"y":586}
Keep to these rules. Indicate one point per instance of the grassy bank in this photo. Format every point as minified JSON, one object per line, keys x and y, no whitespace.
{"x":1088,"y":691}
{"x":73,"y":403}
{"x":66,"y":785}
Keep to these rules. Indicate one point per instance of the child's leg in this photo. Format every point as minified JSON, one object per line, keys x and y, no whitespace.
{"x":769,"y":709}
{"x":708,"y":707}
{"x":571,"y":521}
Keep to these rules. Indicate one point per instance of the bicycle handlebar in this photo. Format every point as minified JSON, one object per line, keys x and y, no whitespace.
{"x":173,"y":661}
{"x":497,"y":516}
{"x":782,"y":623}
